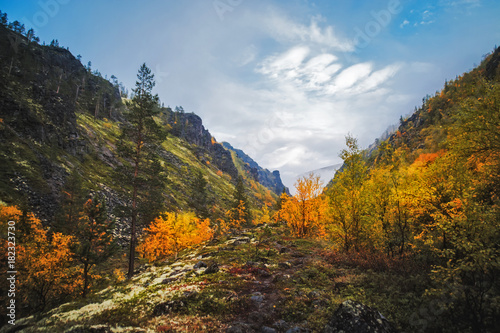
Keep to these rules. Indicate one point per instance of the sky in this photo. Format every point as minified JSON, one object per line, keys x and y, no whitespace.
{"x":285,"y":81}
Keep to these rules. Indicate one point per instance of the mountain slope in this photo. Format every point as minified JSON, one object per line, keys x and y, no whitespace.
{"x":271,"y":180}
{"x":59,"y":117}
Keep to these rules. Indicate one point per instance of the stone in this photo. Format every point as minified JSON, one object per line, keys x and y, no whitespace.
{"x":266,"y":329}
{"x":280,"y":325}
{"x":213,"y":268}
{"x":257,"y":298}
{"x":355,"y":317}
{"x":200,"y":264}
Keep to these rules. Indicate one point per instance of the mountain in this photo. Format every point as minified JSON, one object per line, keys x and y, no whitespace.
{"x":325,"y":174}
{"x":271,"y":180}
{"x":59,"y":117}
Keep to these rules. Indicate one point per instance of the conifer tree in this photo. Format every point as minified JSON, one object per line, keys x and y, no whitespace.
{"x":199,"y":200}
{"x":94,"y":235}
{"x":141,"y":137}
{"x":240,"y":207}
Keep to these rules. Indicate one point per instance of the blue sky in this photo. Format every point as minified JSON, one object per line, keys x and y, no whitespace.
{"x":283,"y":80}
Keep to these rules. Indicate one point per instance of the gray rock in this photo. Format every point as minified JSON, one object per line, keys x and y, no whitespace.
{"x":200,"y":264}
{"x":280,"y":324}
{"x":266,"y":329}
{"x":354,"y":317}
{"x":257,"y":298}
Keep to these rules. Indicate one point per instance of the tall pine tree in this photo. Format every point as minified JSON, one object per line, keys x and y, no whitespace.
{"x":140,"y":141}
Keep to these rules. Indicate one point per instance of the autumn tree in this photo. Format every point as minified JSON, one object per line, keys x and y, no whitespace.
{"x":305,"y":211}
{"x":44,"y":262}
{"x":346,"y":197}
{"x":94,"y":234}
{"x":141,"y":137}
{"x":172,"y":232}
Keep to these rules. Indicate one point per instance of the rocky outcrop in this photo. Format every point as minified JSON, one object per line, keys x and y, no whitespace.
{"x":189,"y":127}
{"x":271,"y":180}
{"x":354,"y":317}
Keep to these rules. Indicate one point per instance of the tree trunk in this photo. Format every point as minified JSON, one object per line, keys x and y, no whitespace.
{"x":85,"y":279}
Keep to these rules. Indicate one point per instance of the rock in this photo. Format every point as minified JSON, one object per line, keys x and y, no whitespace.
{"x":200,"y":264}
{"x":354,"y":317}
{"x":280,"y":325}
{"x":298,"y":329}
{"x":257,"y":298}
{"x":239,"y":328}
{"x":266,"y":329}
{"x":213,"y":268}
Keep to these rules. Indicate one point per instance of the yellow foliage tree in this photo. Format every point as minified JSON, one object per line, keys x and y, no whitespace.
{"x":172,"y":232}
{"x":305,"y":211}
{"x":348,"y":199}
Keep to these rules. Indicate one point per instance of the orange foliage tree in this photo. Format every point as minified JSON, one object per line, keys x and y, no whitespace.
{"x":172,"y":232}
{"x":305,"y":211}
{"x":44,"y":261}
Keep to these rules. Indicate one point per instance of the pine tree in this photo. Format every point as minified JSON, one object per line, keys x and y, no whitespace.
{"x":3,"y":19}
{"x":94,"y":234}
{"x":199,"y":201}
{"x":240,"y":206}
{"x":73,"y":198}
{"x":141,"y":137}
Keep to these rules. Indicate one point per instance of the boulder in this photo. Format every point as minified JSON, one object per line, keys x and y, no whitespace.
{"x":213,"y":268}
{"x":354,"y":317}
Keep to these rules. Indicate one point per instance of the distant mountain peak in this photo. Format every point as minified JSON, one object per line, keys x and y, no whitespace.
{"x":271,"y":180}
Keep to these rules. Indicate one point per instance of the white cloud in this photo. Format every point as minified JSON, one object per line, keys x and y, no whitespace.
{"x":349,"y":76}
{"x":283,"y":29}
{"x":405,"y":23}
